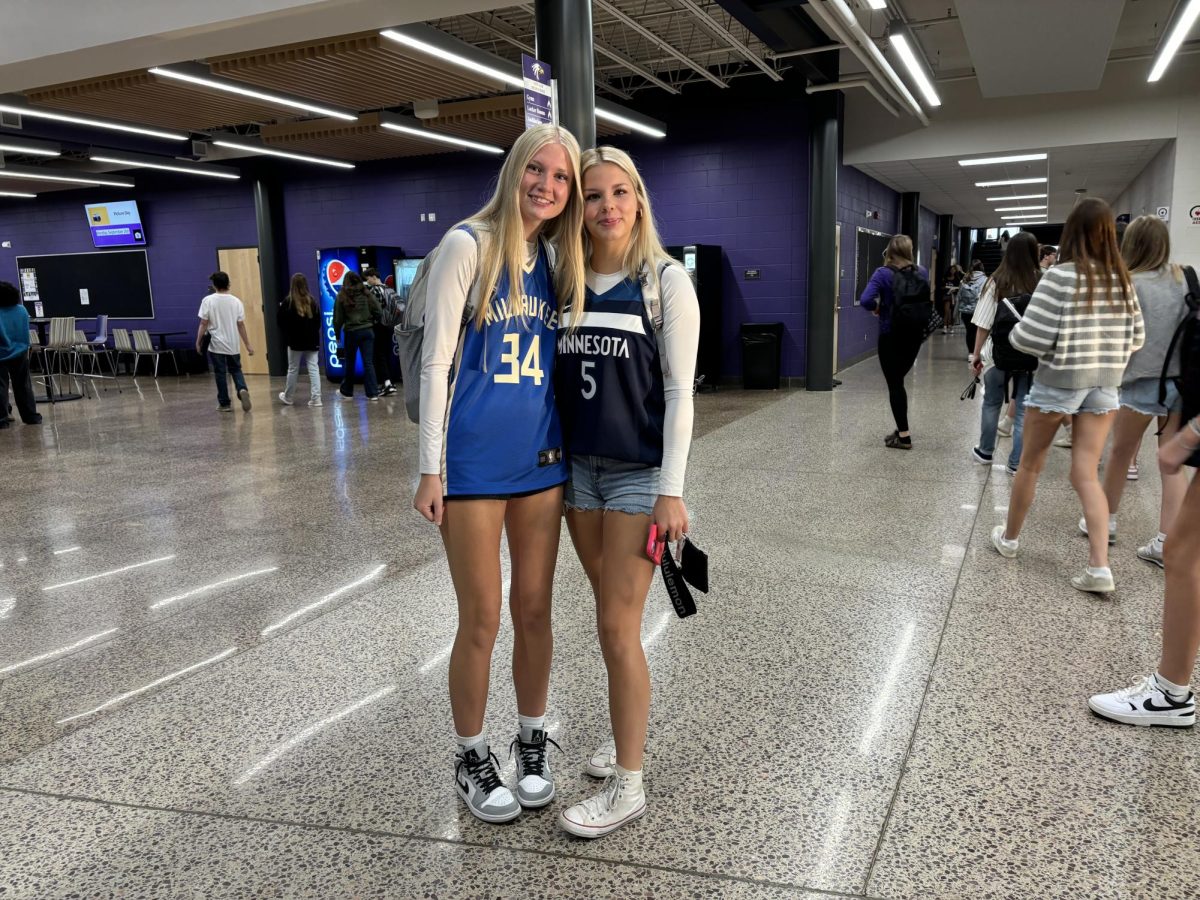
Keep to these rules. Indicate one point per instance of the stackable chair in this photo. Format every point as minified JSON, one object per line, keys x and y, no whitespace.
{"x":60,"y":353}
{"x":122,"y":345}
{"x":95,"y":350}
{"x":143,"y":346}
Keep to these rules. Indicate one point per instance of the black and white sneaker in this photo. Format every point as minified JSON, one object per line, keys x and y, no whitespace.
{"x":388,"y":389}
{"x":478,"y":782}
{"x":1145,"y":703}
{"x":535,"y":783}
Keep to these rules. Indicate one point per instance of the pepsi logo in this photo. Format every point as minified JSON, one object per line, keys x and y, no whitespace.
{"x":335,"y":271}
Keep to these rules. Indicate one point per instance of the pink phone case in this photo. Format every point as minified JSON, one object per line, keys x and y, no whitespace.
{"x":654,"y":547}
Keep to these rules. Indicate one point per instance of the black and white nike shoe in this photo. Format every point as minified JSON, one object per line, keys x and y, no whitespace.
{"x":478,"y":782}
{"x":1145,"y":703}
{"x":535,"y":783}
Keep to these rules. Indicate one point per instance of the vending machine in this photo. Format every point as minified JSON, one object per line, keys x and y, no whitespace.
{"x":332,"y":265}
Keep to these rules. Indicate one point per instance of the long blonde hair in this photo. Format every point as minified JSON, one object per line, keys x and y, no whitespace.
{"x":1146,"y":246}
{"x":502,"y":234}
{"x":899,"y":252}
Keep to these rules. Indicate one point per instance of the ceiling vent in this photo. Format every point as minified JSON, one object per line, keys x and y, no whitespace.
{"x":199,"y":149}
{"x":10,"y":120}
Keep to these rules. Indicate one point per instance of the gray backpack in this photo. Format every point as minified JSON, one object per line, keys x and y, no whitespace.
{"x":410,"y":332}
{"x":968,"y":293}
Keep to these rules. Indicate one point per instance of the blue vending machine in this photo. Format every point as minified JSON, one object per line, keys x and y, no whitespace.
{"x":332,"y":265}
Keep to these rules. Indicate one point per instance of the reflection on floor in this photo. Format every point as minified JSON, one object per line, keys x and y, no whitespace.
{"x":223,"y":648}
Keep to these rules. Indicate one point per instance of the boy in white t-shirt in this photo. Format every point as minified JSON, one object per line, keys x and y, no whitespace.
{"x":222,"y":318}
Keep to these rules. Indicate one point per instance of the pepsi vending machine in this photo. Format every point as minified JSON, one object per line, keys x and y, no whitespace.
{"x":332,"y":265}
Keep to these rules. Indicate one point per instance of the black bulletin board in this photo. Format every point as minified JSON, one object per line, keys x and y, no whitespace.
{"x":868,"y":256}
{"x":117,"y":282}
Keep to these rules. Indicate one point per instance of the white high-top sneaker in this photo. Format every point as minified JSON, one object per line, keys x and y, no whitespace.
{"x":602,"y":761}
{"x":619,"y":802}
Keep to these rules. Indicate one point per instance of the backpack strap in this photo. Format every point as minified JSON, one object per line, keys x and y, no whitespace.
{"x":1012,"y":309}
{"x":1191,"y":301}
{"x":652,"y":299}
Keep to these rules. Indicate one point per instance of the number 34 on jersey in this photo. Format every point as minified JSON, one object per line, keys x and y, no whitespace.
{"x":514,"y":366}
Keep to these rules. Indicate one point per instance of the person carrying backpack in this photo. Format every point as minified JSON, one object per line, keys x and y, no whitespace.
{"x":968,"y":299}
{"x":1164,"y":697}
{"x":898,"y":293}
{"x":1002,"y":305}
{"x":1082,"y":324}
{"x":391,"y":313}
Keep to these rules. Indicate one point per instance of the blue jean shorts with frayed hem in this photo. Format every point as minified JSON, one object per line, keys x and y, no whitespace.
{"x":610,"y":484}
{"x":1142,"y":397}
{"x":1072,"y":401}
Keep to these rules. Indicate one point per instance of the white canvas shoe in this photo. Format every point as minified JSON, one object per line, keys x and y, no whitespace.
{"x":621,"y":801}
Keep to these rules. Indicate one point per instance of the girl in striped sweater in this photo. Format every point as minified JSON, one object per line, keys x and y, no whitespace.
{"x":1083,"y":324}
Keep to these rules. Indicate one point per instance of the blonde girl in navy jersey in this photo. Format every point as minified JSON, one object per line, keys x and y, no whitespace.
{"x":491,"y":445}
{"x":627,"y":418}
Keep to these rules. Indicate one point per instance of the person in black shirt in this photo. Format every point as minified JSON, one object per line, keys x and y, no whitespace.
{"x":299,"y":319}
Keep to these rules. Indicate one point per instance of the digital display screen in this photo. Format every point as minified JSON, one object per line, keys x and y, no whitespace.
{"x":115,"y":224}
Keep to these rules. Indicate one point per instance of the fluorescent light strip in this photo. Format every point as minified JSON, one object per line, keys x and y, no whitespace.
{"x":158,"y":682}
{"x":618,"y":119}
{"x":1011,"y":181}
{"x":16,"y":194}
{"x":1024,"y":218}
{"x":1184,"y":24}
{"x":374,"y":573}
{"x":218,"y":85}
{"x":1019,"y":208}
{"x":286,"y":154}
{"x":897,"y":83}
{"x":998,"y":160}
{"x":915,"y":69}
{"x":149,"y":562}
{"x":192,"y":170}
{"x":311,"y":731}
{"x":1017,"y":197}
{"x":61,"y":651}
{"x":211,"y":587}
{"x":429,"y":135}
{"x":448,"y":56}
{"x":38,"y":176}
{"x":877,"y":4}
{"x":27,"y":151}
{"x":34,"y":113}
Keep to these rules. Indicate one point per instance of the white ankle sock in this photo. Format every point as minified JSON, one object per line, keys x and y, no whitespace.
{"x":466,"y":743}
{"x":1112,"y":522}
{"x":1099,"y":570}
{"x":527,"y":725}
{"x":1173,"y":690}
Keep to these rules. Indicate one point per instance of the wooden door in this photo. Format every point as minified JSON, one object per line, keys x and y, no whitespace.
{"x":245,"y":280}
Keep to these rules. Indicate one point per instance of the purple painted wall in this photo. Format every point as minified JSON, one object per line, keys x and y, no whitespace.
{"x":858,"y":330}
{"x":184,"y":226}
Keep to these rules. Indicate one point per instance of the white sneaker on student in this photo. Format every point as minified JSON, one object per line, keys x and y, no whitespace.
{"x":1145,"y":703}
{"x":315,"y":401}
{"x":283,"y":399}
{"x":535,"y":782}
{"x":1152,"y":553}
{"x":1005,"y":547}
{"x":478,"y":782}
{"x":1004,"y":427}
{"x":620,"y":801}
{"x":1063,"y":440}
{"x":603,"y":759}
{"x":1112,"y":530}
{"x":1094,"y":581}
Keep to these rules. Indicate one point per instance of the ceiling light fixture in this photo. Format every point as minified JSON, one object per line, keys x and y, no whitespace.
{"x":27,"y":151}
{"x":900,"y":39}
{"x":199,"y":76}
{"x":35,"y":113}
{"x":168,"y":167}
{"x":618,"y":119}
{"x":286,"y":154}
{"x":1186,"y":15}
{"x":877,"y":4}
{"x":1023,"y":217}
{"x":1017,"y":197}
{"x":1011,"y":181}
{"x":1018,"y":208}
{"x":38,"y":175}
{"x":997,"y":160}
{"x":427,"y":134}
{"x":458,"y":59}
{"x":17,"y":194}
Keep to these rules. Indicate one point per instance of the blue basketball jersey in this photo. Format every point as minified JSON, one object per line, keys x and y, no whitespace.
{"x":503,"y":434}
{"x":609,"y":379}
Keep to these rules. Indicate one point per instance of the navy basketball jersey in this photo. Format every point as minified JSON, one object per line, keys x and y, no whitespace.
{"x":609,"y":379}
{"x":503,"y":434}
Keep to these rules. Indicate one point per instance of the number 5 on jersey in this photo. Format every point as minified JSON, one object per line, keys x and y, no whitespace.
{"x":530,"y":366}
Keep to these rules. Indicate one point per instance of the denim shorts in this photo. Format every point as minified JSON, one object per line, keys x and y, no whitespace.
{"x":1142,"y":397}
{"x":1099,"y":400}
{"x":601,"y":483}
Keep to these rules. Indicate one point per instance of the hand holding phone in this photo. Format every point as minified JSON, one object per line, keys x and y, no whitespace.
{"x":654,"y":546}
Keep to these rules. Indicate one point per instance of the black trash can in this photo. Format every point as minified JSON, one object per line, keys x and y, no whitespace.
{"x":762,"y":355}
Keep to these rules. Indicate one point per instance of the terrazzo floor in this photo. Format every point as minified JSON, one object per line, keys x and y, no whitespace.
{"x":224,"y":638}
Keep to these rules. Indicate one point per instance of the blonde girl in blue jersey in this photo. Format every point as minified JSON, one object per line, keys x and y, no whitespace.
{"x":491,"y":445}
{"x":627,"y":420}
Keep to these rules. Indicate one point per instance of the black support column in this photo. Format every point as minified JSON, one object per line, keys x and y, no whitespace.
{"x":272,"y":264}
{"x":945,"y":241}
{"x":910,"y":216}
{"x":564,"y":40}
{"x":964,"y":248}
{"x":822,"y":240}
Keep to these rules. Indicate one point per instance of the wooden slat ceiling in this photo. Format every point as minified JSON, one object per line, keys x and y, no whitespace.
{"x":494,"y":120}
{"x":360,"y":71}
{"x":148,"y":100}
{"x":354,"y":141}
